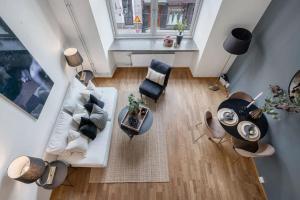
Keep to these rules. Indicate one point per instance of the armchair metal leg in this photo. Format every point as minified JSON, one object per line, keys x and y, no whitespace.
{"x":220,"y":141}
{"x":223,"y":140}
{"x":195,"y":140}
{"x":236,"y":160}
{"x":197,"y":125}
{"x":239,"y":157}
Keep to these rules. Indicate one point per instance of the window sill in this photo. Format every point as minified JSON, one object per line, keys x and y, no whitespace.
{"x":151,"y":45}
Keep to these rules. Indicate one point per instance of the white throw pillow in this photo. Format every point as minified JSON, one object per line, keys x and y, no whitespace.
{"x":73,"y":96}
{"x":73,"y":135}
{"x":90,"y":89}
{"x":91,"y":86}
{"x":58,"y":139}
{"x":87,"y":93}
{"x":77,"y":143}
{"x":155,"y":76}
{"x":79,"y":112}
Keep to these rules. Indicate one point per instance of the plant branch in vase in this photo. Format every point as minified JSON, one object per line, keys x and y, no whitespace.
{"x":279,"y":101}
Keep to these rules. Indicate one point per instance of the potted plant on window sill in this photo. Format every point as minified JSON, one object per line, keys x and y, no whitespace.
{"x":180,"y":27}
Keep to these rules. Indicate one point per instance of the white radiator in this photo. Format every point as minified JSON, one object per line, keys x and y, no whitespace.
{"x":142,"y":60}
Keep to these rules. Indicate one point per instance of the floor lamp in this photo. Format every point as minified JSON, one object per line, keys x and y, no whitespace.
{"x":27,"y":169}
{"x":79,"y":33}
{"x":74,"y":59}
{"x":236,"y":43}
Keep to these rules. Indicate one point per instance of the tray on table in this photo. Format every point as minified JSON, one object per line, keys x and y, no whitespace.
{"x":141,"y":118}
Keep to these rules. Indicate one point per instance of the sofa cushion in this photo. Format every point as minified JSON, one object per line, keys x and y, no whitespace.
{"x":99,"y":117}
{"x":58,"y":139}
{"x":73,"y":96}
{"x":77,"y":143}
{"x":88,"y":128}
{"x":80,"y":111}
{"x":91,"y":86}
{"x":150,"y":89}
{"x":87,"y":93}
{"x":90,"y":89}
{"x":89,"y":107}
{"x":98,"y":151}
{"x":96,"y":101}
{"x":73,"y":135}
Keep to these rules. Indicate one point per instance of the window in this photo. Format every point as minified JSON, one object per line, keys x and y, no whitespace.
{"x":152,"y":18}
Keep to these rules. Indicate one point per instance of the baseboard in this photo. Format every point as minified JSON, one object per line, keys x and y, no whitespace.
{"x":103,"y":75}
{"x":106,"y":74}
{"x":261,"y":186}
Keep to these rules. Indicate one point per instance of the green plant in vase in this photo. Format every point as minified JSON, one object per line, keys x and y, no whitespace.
{"x":134,"y":104}
{"x":180,"y":27}
{"x":133,"y":109}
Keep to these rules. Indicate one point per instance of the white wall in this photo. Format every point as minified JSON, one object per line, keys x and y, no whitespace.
{"x":34,"y":25}
{"x":231,"y":14}
{"x":104,"y":27}
{"x":87,"y":20}
{"x":207,"y":17}
{"x":101,"y":16}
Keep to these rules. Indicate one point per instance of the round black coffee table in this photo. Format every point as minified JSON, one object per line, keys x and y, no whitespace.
{"x":237,"y":105}
{"x":144,"y":128}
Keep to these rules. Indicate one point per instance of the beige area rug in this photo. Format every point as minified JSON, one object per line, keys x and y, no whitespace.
{"x":143,"y":159}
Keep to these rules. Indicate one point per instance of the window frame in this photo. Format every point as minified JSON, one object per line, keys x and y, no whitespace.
{"x":153,"y":24}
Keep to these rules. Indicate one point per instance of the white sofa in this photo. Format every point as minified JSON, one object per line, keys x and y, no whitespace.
{"x":98,"y":149}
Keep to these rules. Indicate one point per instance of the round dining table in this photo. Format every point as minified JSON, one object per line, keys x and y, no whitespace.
{"x":239,"y":105}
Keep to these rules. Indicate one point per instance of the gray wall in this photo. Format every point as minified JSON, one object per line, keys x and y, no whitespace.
{"x":273,"y":58}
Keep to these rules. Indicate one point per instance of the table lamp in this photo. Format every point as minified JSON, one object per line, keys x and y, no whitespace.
{"x":73,"y":57}
{"x":26,"y":169}
{"x":236,"y":43}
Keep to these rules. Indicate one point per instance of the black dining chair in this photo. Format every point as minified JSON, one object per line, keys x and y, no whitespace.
{"x":154,"y":90}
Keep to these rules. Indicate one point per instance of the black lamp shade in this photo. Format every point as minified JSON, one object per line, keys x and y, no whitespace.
{"x":238,"y":41}
{"x":26,"y":169}
{"x":73,"y":57}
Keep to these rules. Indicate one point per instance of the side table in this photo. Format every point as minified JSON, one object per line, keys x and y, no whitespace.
{"x":85,"y":76}
{"x":60,"y":175}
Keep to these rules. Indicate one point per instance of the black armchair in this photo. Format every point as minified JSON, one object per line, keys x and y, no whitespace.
{"x":152,"y":89}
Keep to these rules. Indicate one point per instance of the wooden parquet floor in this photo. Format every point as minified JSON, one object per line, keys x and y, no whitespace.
{"x":200,"y":170}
